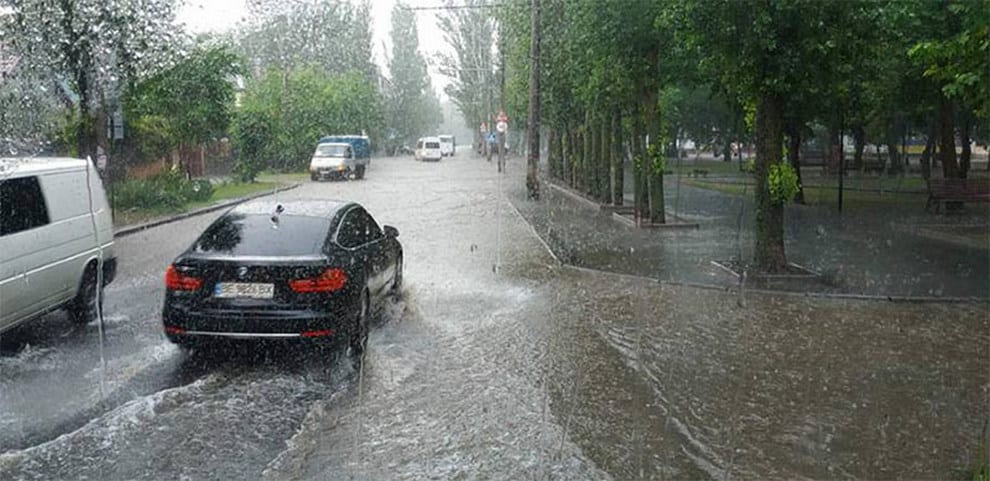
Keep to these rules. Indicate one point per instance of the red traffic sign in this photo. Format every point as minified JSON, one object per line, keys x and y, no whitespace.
{"x":484,"y":127}
{"x":502,"y":117}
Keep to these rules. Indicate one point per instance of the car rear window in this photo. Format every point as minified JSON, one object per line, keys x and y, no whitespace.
{"x":432,"y":145}
{"x":261,"y":235}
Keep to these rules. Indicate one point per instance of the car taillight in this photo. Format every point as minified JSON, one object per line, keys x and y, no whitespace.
{"x":177,"y":281}
{"x":330,"y":281}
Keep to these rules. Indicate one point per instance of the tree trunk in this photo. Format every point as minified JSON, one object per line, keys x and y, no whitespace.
{"x":572,"y":158}
{"x":587,"y":180}
{"x":553,"y":156}
{"x":533,"y":119}
{"x":727,"y":151}
{"x":893,"y":153}
{"x":658,"y":213}
{"x":965,"y":126}
{"x":793,"y":131}
{"x":859,"y":141}
{"x":605,"y":160}
{"x":594,"y":136}
{"x":770,"y":256}
{"x":947,"y":140}
{"x":640,"y":195}
{"x":618,"y":166}
{"x":928,"y":152}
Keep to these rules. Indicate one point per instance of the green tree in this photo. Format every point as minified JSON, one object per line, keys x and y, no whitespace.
{"x":285,"y":113}
{"x":97,"y":47}
{"x":334,"y":35}
{"x":764,"y":52}
{"x":188,"y":104}
{"x":412,"y":107}
{"x":470,"y":33}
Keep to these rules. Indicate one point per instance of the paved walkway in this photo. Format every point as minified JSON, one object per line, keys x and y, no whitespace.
{"x":884,"y":250}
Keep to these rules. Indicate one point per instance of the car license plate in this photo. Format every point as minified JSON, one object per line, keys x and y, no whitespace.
{"x":244,"y":289}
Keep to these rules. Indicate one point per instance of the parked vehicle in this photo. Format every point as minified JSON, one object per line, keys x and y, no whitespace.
{"x":340,"y":156}
{"x":56,"y":239}
{"x":447,"y":147}
{"x":428,"y":148}
{"x":296,"y":270}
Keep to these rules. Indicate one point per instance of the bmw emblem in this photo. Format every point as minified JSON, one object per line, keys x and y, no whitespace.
{"x":242,"y":271}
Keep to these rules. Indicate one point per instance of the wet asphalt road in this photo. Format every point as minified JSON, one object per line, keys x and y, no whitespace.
{"x":496,"y":363}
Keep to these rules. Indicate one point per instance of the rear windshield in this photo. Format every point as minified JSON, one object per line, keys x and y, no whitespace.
{"x":331,"y":150}
{"x":260,"y":235}
{"x":433,"y":145}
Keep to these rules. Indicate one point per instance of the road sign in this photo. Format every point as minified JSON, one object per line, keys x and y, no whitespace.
{"x":491,"y":138}
{"x":484,"y":127}
{"x":502,"y":117}
{"x":501,"y":127}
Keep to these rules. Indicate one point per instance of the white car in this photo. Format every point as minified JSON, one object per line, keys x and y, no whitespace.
{"x":56,"y":239}
{"x":336,"y":160}
{"x":428,"y":148}
{"x":447,"y":148}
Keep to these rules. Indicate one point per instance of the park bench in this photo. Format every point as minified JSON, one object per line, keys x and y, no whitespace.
{"x":957,"y":190}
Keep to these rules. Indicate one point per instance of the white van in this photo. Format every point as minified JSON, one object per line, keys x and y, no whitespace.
{"x":428,"y":148}
{"x":447,"y":148}
{"x":56,"y":236}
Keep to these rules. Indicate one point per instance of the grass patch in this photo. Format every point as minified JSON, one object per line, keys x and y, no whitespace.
{"x":284,"y":177}
{"x":814,"y":195}
{"x":221,"y":192}
{"x":688,"y":166}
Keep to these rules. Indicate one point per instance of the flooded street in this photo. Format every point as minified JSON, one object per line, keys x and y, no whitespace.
{"x":497,"y":362}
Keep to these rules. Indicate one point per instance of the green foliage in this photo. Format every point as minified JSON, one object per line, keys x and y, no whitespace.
{"x":658,"y":161}
{"x":783,"y":182}
{"x":285,"y":113}
{"x":189,"y":103}
{"x":412,"y":108}
{"x":330,"y":35}
{"x":168,"y":189}
{"x":959,"y":61}
{"x":471,"y":66}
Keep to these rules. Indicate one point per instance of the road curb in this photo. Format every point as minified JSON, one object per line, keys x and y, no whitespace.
{"x":772,"y":292}
{"x":126,"y":231}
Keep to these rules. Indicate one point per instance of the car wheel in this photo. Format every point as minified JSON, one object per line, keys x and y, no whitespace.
{"x":359,"y":172}
{"x":359,"y":335}
{"x":314,"y":177}
{"x":397,"y":279}
{"x":85,"y":308}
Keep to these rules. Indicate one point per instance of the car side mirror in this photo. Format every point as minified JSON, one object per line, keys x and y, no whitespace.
{"x":391,"y":231}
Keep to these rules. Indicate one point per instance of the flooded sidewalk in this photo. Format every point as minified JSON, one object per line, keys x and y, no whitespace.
{"x":682,"y":383}
{"x":897,"y":251}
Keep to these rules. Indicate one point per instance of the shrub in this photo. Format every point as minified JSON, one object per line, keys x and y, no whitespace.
{"x":168,"y":189}
{"x":199,"y":190}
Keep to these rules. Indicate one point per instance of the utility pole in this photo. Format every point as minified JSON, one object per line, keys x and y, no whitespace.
{"x":533,"y":121}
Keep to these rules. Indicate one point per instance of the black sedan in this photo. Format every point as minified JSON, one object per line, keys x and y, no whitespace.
{"x":291,"y":270}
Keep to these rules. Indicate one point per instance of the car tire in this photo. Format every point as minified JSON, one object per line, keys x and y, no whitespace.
{"x":85,"y":307}
{"x":358,"y":340}
{"x":314,"y":177}
{"x":359,"y":172}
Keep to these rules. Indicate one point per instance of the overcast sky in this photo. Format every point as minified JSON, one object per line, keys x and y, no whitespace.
{"x":222,"y":15}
